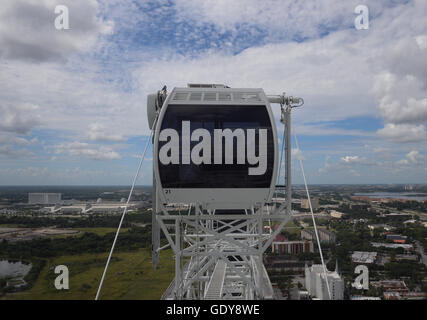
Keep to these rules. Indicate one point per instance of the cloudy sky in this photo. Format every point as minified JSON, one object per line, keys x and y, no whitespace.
{"x":73,"y":102}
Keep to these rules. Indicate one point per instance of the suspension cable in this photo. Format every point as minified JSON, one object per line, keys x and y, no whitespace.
{"x":281,"y":157}
{"x":312,"y":216}
{"x":126,"y":207}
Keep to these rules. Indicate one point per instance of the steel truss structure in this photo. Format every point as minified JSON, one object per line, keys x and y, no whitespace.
{"x":220,"y":256}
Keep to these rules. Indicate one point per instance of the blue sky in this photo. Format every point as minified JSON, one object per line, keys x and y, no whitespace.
{"x":73,"y":101}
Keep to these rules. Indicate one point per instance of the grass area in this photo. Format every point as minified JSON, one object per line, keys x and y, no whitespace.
{"x":101,"y":231}
{"x":5,"y":225}
{"x":291,"y":224}
{"x":292,"y":228}
{"x":130,"y":276}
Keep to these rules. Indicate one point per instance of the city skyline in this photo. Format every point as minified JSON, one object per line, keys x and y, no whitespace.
{"x":73,"y":101}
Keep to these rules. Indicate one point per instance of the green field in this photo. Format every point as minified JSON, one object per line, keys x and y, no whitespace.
{"x":130,"y":276}
{"x":292,"y":228}
{"x":10,"y":225}
{"x":101,"y":231}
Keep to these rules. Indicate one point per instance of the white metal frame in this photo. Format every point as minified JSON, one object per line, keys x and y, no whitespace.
{"x":204,"y":242}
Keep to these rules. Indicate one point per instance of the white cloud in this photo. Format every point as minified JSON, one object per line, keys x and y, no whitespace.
{"x":27,"y":30}
{"x":402,"y":98}
{"x":345,"y":166}
{"x":279,"y":19}
{"x":72,"y":98}
{"x":18,"y":118}
{"x":326,"y":166}
{"x":10,"y":152}
{"x":10,"y":138}
{"x":100,"y":94}
{"x":334,"y":74}
{"x":380,"y":149}
{"x":403,"y":132}
{"x":98,"y":132}
{"x":401,"y":85}
{"x":414,"y":156}
{"x":31,"y":171}
{"x":403,"y":162}
{"x":354,"y":173}
{"x":317,"y":70}
{"x":25,"y":174}
{"x":82,"y":149}
{"x":350,"y":159}
{"x":350,"y":164}
{"x":297,"y":154}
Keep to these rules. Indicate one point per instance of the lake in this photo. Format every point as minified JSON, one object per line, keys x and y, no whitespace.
{"x":395,"y":195}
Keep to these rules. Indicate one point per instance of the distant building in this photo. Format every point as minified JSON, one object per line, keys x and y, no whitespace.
{"x":7,"y":211}
{"x":359,"y":206}
{"x":315,"y":283}
{"x":282,"y":246}
{"x":398,"y":286}
{"x":355,"y":221}
{"x":325,"y":235}
{"x":110,"y":208}
{"x":400,"y":292}
{"x":398,"y":215}
{"x":361,"y":198}
{"x":71,"y":209}
{"x":308,"y":234}
{"x":410,"y":221}
{"x":314,"y":203}
{"x":44,"y":198}
{"x":396,"y":238}
{"x":90,"y":208}
{"x":384,"y":226}
{"x":336,"y":214}
{"x":408,"y":247}
{"x":414,"y":295}
{"x":285,"y":263}
{"x":364,"y":257}
{"x":392,"y":296}
{"x":364,"y":298}
{"x":408,"y":257}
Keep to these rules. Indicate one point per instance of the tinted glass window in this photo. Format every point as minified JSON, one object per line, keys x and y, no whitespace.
{"x":217,"y":175}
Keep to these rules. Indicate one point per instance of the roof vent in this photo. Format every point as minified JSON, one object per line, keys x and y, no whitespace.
{"x":206,"y":85}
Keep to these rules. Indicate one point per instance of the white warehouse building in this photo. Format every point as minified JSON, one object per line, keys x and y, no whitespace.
{"x":44,"y":198}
